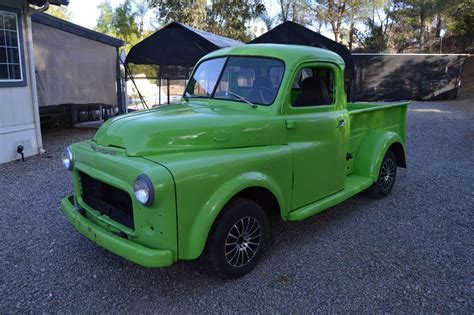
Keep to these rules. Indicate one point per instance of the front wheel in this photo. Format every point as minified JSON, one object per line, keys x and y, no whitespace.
{"x":387,"y":175}
{"x":237,"y":239}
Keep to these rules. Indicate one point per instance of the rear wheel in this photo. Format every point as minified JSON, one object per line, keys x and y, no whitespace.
{"x":387,"y":175}
{"x":237,"y":239}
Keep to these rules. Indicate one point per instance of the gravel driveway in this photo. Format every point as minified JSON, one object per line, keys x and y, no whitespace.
{"x":408,"y":253}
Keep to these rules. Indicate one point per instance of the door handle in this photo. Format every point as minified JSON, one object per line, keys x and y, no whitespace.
{"x":290,"y":124}
{"x":341,"y":123}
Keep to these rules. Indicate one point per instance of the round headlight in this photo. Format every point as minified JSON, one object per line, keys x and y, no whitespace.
{"x":144,"y":190}
{"x":68,"y":159}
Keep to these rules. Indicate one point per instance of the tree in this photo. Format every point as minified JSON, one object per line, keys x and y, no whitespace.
{"x":141,"y":9}
{"x":124,"y":22}
{"x":461,"y":23}
{"x":357,"y":10}
{"x":419,"y":13}
{"x":374,"y":40}
{"x":376,"y":36}
{"x":104,"y":22}
{"x":298,"y":11}
{"x":60,"y":12}
{"x":231,"y":20}
{"x":332,"y":12}
{"x":192,"y":13}
{"x":119,"y":22}
{"x":227,"y":18}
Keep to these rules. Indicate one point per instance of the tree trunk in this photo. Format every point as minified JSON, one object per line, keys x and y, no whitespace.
{"x":422,"y":26}
{"x":439,"y":25}
{"x":351,"y":35}
{"x":141,"y":26}
{"x":351,"y":26}
{"x":335,"y":30}
{"x":284,"y":10}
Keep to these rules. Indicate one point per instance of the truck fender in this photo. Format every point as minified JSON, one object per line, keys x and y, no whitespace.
{"x":371,"y":152}
{"x":207,"y":216}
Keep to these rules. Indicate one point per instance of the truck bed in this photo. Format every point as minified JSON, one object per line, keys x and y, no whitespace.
{"x":367,"y":117}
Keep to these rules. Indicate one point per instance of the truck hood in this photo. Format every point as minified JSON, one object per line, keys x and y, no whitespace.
{"x":190,"y":127}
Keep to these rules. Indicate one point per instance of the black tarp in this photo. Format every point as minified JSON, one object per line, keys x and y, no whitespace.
{"x":387,"y":77}
{"x":296,"y":34}
{"x":177,"y":44}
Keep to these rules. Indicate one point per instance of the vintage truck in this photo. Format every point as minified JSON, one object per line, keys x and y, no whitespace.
{"x":261,"y":130}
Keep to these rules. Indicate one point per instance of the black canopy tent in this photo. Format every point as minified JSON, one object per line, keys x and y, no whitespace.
{"x":177,"y":44}
{"x":296,"y":34}
{"x":175,"y":49}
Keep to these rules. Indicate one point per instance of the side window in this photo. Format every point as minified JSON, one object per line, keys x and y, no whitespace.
{"x":313,"y":86}
{"x":11,"y":55}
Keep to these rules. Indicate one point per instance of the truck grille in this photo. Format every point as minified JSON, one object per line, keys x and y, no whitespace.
{"x":107,"y":199}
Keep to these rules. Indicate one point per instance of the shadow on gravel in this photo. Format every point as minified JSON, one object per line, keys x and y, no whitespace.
{"x":409,"y":252}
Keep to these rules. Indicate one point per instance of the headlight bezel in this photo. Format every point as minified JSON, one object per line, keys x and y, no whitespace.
{"x":144,"y":179}
{"x":69,"y":156}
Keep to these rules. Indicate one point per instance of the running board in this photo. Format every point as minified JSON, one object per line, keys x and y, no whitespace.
{"x":354,"y":185}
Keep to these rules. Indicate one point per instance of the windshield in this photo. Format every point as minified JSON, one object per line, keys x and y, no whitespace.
{"x":253,"y":80}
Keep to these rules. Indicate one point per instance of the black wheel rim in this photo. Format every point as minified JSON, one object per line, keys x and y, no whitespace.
{"x":243,"y":241}
{"x":387,"y":174}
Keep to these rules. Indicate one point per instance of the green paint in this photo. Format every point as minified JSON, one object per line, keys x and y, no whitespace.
{"x":202,"y":152}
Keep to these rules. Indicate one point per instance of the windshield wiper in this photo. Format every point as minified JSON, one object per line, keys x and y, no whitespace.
{"x":186,"y":97}
{"x":241,"y":98}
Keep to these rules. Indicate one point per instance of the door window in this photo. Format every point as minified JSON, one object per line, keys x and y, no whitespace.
{"x":313,"y":86}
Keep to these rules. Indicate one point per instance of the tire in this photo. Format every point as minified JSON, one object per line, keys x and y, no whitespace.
{"x":387,"y":175}
{"x":237,"y":239}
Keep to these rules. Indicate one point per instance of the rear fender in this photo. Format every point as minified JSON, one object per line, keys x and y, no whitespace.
{"x":369,"y":155}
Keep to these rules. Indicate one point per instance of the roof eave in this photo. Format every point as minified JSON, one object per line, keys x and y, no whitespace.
{"x":75,"y":29}
{"x":41,"y":3}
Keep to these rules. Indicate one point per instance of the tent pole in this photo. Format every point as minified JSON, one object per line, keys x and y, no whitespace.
{"x":168,"y":88}
{"x":159,"y":91}
{"x":138,"y":91}
{"x":120,"y":104}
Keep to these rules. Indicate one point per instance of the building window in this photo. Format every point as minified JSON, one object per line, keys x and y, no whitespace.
{"x":11,"y":56}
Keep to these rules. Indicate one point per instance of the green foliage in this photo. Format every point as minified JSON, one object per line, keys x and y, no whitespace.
{"x":387,"y":24}
{"x":299,"y":11}
{"x":462,"y":19}
{"x":104,"y":22}
{"x":230,"y":20}
{"x":226,"y":18}
{"x":60,"y":12}
{"x":374,"y":40}
{"x":124,"y":22}
{"x":119,"y":22}
{"x":192,"y":13}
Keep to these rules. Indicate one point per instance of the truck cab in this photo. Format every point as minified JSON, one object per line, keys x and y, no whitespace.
{"x":261,"y":130}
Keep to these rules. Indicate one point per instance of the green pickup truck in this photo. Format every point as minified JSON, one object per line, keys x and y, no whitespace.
{"x":261,"y":130}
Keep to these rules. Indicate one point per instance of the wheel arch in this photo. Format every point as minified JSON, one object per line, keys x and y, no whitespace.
{"x":399,"y":151}
{"x":254,"y":186}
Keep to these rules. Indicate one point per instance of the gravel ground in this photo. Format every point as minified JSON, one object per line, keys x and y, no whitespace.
{"x":408,"y":253}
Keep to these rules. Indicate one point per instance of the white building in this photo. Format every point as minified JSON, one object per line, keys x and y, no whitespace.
{"x":47,"y":63}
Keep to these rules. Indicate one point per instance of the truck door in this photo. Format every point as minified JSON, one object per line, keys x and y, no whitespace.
{"x":316,"y":123}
